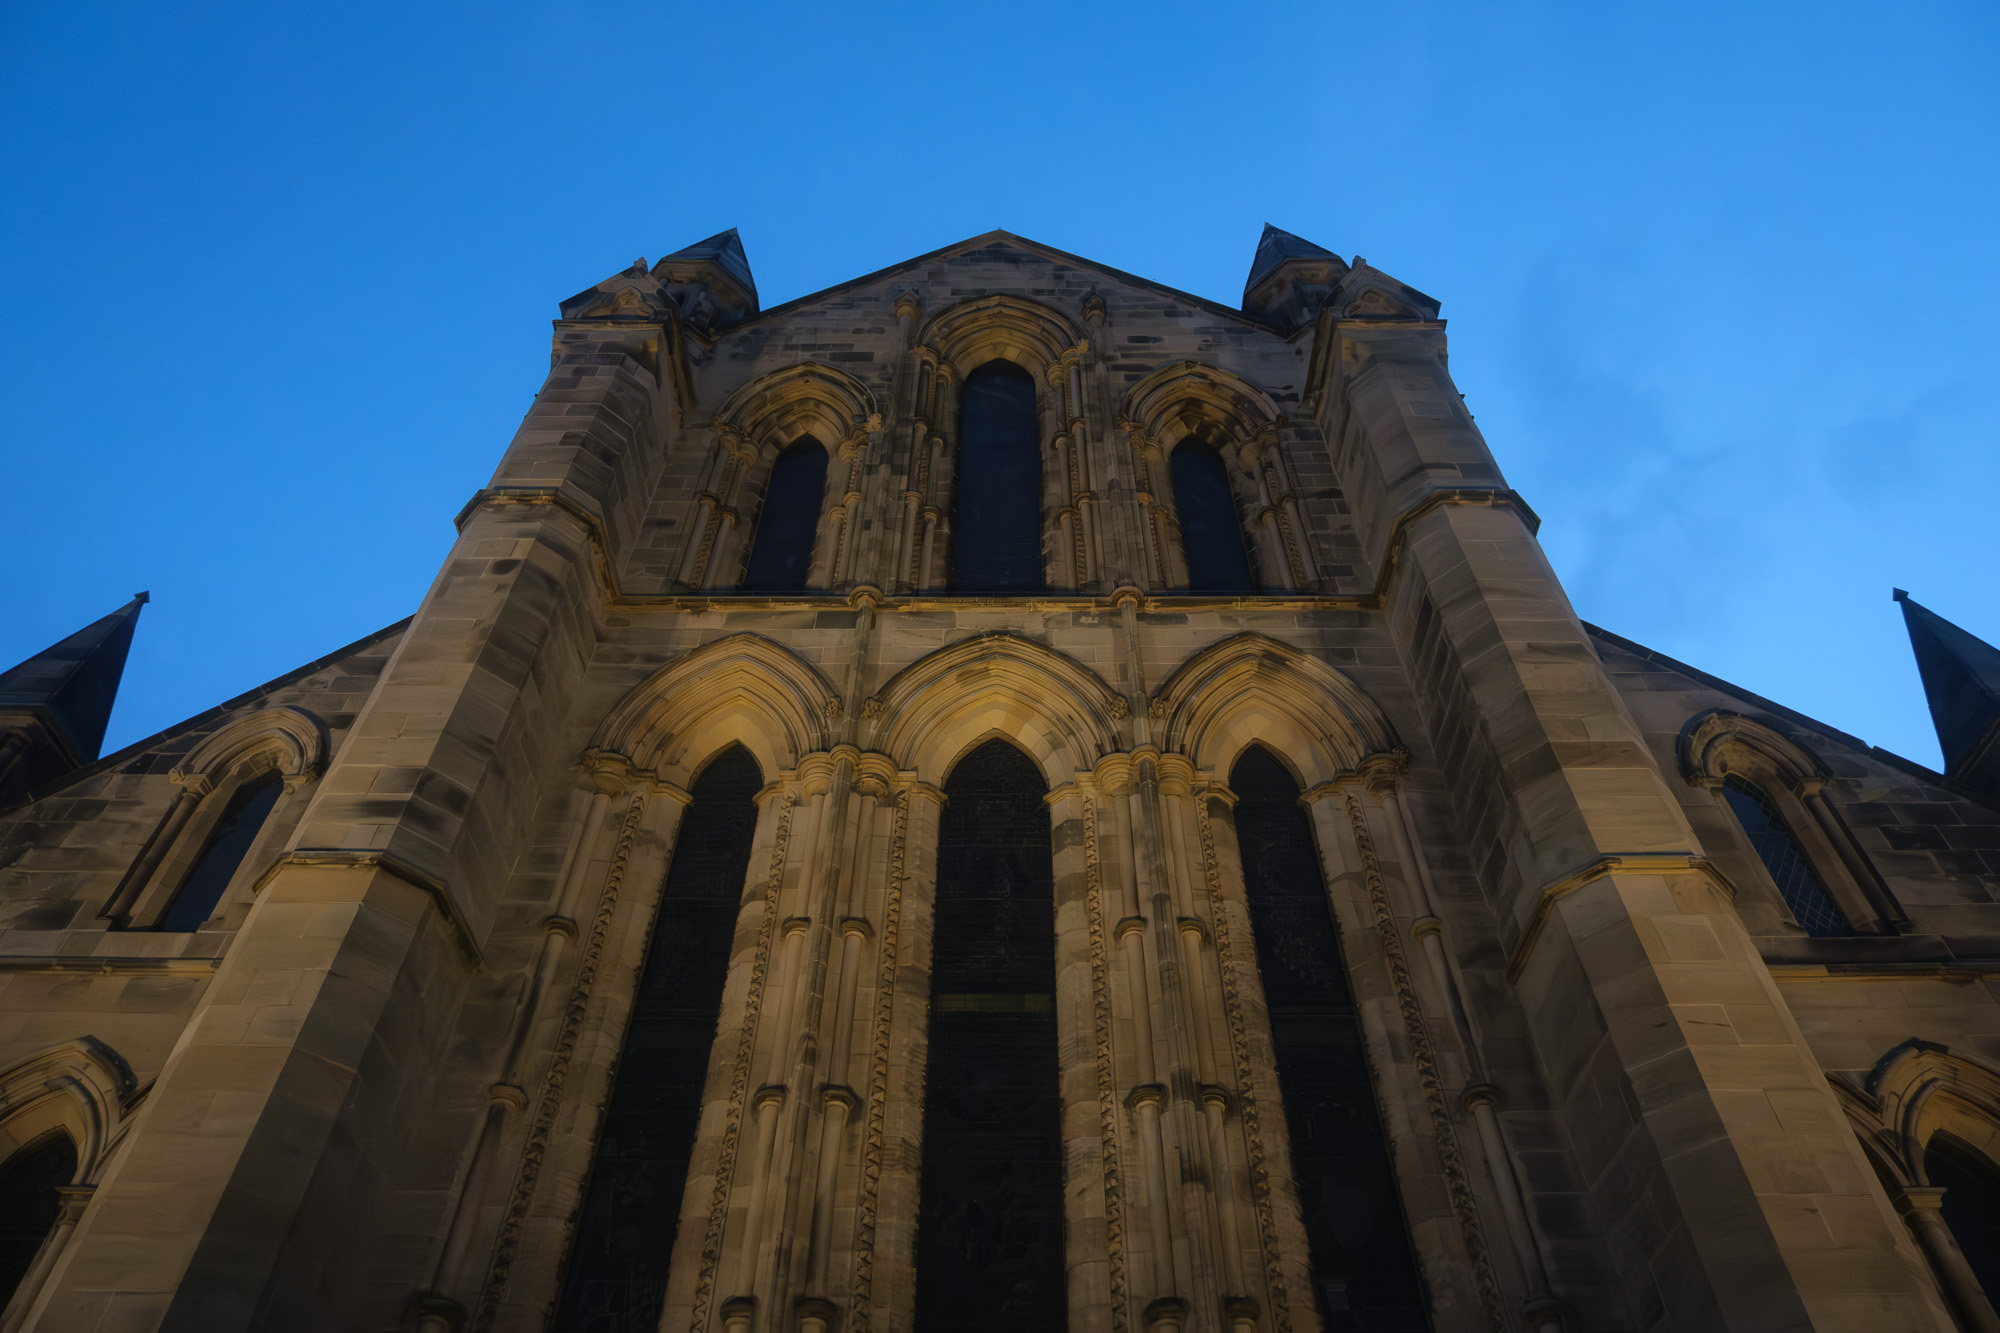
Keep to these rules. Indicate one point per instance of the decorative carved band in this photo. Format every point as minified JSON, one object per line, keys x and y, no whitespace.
{"x":574,"y":1012}
{"x":739,"y":1077}
{"x":1239,"y":1051}
{"x":1107,"y":1094}
{"x":1457,"y":1185}
{"x":878,"y":1078}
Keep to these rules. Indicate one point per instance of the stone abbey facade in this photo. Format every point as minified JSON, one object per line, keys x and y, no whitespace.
{"x":998,"y":795}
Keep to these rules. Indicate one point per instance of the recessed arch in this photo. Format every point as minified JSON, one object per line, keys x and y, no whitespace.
{"x":1190,"y":400}
{"x":288,"y":741}
{"x":1056,"y":710}
{"x":743,"y":688}
{"x":1250,"y":688}
{"x":1714,"y":745}
{"x":810,"y":398}
{"x":968,"y":335}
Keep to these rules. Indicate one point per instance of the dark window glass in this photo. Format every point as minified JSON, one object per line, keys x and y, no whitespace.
{"x":1804,"y":892}
{"x":998,"y":521}
{"x":1363,"y":1273}
{"x":990,"y":1224}
{"x":202,"y":890}
{"x":631,"y":1208}
{"x":29,"y":1203}
{"x":1971,"y":1206}
{"x":1210,"y":534}
{"x":781,"y":556}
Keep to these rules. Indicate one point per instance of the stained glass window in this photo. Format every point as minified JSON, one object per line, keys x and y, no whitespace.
{"x":29,"y":1203}
{"x":617,"y":1276}
{"x":990,"y":1225}
{"x":1363,"y":1273}
{"x":781,"y":555}
{"x":1803,"y":890}
{"x":998,"y":520}
{"x":1210,"y":534}
{"x":1971,"y":1206}
{"x":201,"y":892}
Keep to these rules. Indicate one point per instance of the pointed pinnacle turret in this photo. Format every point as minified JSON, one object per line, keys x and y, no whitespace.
{"x":55,"y":706}
{"x":1290,"y":279}
{"x":711,"y":279}
{"x":1961,"y":674}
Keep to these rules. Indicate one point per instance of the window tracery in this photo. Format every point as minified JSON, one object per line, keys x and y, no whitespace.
{"x":1774,"y":797}
{"x":229,"y":803}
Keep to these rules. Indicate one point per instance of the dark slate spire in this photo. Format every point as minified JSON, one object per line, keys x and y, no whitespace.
{"x":725,"y":251}
{"x":72,"y":685}
{"x":1291,"y":280}
{"x":1274,"y":247}
{"x":1962,"y":680}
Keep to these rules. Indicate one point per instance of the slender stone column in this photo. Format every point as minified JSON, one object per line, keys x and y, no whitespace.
{"x":1919,"y":1206}
{"x":191,"y":788}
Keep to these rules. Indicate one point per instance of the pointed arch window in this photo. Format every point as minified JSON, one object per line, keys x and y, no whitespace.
{"x":781,"y":555}
{"x":1363,"y":1273}
{"x":998,"y":516}
{"x":1971,"y":1204}
{"x":990,"y":1220}
{"x":30,"y":1199}
{"x":228,"y":843}
{"x":1812,"y":905}
{"x":625,"y":1232}
{"x":1210,"y":534}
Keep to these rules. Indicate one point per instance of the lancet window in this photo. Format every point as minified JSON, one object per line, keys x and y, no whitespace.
{"x":625,"y":1233}
{"x":29,"y":1202}
{"x":998,"y":514}
{"x":990,"y":1224}
{"x":1211,"y":537}
{"x":1363,"y":1273}
{"x":1798,"y":883}
{"x":1971,"y":1204}
{"x":781,"y":554}
{"x":242,"y":819}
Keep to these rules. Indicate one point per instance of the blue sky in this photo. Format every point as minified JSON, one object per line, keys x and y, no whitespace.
{"x":275,"y":279}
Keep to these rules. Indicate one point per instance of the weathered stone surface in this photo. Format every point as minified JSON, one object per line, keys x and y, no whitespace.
{"x":1622,"y":1087}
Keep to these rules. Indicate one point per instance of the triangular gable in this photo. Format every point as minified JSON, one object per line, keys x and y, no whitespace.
{"x":998,"y":237}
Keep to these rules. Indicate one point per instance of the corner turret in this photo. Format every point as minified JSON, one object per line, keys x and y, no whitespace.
{"x":55,"y":706}
{"x":1962,"y":681}
{"x":1290,"y":279}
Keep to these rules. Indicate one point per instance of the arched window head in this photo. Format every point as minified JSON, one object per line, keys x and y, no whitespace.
{"x":228,"y":843}
{"x":781,"y":557}
{"x":29,"y":1202}
{"x":998,"y":518}
{"x":1799,"y":884}
{"x":1210,"y":534}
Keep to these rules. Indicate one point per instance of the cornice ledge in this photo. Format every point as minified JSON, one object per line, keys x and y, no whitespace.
{"x":394,"y":866}
{"x":558,"y":497}
{"x":1611,"y":863}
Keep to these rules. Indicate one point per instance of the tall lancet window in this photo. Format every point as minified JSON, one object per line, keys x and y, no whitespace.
{"x":998,"y":519}
{"x":201,"y":892}
{"x":1799,"y":884}
{"x":1971,"y":1205}
{"x":29,"y":1203}
{"x":1210,"y":534}
{"x":631,"y":1207}
{"x":990,"y":1225}
{"x":1363,"y":1274}
{"x":781,"y":555}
